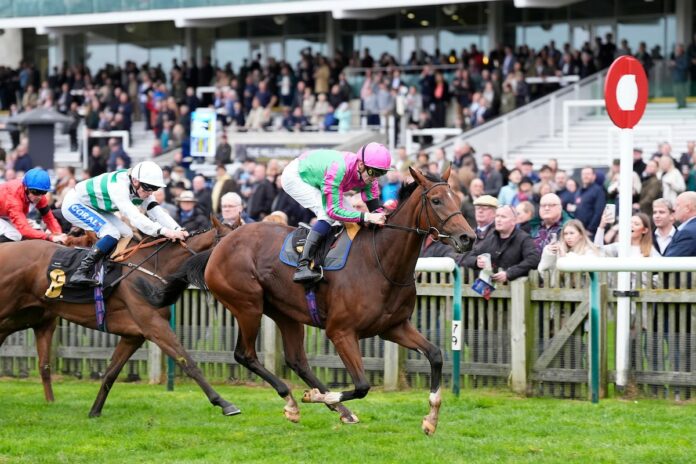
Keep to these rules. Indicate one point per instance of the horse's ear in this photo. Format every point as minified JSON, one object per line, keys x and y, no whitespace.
{"x":215,"y":221}
{"x":446,"y":175}
{"x":417,"y":176}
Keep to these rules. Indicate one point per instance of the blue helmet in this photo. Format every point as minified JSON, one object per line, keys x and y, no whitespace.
{"x":37,"y":179}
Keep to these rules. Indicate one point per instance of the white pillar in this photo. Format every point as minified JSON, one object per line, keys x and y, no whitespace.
{"x":495,"y":24}
{"x":684,"y":13}
{"x":56,"y":50}
{"x":332,"y":35}
{"x":11,"y":48}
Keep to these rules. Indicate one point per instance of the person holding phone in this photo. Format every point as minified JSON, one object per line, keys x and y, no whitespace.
{"x":573,"y":241}
{"x":551,"y":220}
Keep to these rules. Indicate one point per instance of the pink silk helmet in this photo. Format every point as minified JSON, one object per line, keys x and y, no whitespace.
{"x":375,"y":155}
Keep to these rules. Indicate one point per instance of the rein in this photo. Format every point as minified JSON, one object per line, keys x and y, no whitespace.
{"x":162,"y":242}
{"x":434,"y":232}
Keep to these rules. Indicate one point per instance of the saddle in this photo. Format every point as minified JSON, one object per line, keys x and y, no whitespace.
{"x":63,"y":264}
{"x":333,"y":253}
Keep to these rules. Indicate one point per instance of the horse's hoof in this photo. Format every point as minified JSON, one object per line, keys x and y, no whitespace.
{"x":350,"y":419}
{"x":428,"y":427}
{"x":231,"y":410}
{"x":292,"y":416}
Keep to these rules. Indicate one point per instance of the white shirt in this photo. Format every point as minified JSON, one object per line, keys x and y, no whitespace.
{"x":663,"y":241}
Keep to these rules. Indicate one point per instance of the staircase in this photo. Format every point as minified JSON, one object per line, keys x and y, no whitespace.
{"x":594,"y":141}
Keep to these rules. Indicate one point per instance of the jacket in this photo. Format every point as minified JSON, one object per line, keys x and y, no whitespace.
{"x":14,"y":204}
{"x":334,"y":173}
{"x":517,"y":254}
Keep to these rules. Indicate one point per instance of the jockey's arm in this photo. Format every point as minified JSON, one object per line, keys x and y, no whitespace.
{"x":159,"y":214}
{"x":48,"y":218}
{"x":19,"y":220}
{"x":121,"y":199}
{"x":333,"y":194}
{"x":370,"y":195}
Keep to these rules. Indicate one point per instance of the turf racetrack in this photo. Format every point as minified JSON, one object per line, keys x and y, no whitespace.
{"x":147,"y":424}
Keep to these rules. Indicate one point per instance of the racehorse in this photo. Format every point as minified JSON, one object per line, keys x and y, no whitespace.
{"x":374,"y":294}
{"x":22,"y":289}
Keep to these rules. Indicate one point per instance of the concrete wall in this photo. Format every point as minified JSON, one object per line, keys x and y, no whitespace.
{"x":11,"y":47}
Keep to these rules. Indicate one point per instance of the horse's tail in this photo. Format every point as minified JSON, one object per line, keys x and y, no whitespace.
{"x":191,"y":273}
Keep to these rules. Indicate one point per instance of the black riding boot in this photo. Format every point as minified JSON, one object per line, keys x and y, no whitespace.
{"x":304,"y":273}
{"x":84,"y":275}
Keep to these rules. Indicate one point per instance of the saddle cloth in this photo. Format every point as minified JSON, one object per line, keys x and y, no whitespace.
{"x":63,"y":264}
{"x":332,"y":254}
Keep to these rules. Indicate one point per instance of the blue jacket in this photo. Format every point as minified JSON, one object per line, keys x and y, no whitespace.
{"x":590,"y":203}
{"x":684,"y":241}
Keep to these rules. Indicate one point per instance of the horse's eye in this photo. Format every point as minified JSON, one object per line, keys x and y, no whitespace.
{"x":436,"y":201}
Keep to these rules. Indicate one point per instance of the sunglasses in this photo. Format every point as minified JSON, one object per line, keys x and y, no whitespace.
{"x":148,"y":187}
{"x":37,"y":192}
{"x":374,"y":172}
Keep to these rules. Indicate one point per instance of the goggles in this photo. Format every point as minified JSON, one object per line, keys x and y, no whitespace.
{"x":148,"y":187}
{"x":37,"y":192}
{"x":374,"y":172}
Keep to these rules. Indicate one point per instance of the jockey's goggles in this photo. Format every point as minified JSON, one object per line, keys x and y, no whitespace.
{"x":148,"y":187}
{"x":374,"y":172}
{"x":36,"y":192}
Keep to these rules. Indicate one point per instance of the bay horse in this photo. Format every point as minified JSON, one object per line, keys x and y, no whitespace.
{"x":24,"y":306}
{"x":375,"y":294}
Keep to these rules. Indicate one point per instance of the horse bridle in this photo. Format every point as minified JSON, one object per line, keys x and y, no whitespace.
{"x":434,"y":232}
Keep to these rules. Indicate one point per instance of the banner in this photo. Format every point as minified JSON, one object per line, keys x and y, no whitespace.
{"x":203,"y":131}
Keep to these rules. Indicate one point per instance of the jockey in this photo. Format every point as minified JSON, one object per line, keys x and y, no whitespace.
{"x":92,"y":203}
{"x":319,"y":179}
{"x":16,"y":196}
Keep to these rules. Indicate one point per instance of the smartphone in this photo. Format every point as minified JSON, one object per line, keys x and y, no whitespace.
{"x":610,"y":210}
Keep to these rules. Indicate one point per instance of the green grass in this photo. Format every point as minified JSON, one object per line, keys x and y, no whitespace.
{"x":147,"y":424}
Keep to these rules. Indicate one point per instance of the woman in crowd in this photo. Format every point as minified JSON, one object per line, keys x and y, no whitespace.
{"x":574,"y":241}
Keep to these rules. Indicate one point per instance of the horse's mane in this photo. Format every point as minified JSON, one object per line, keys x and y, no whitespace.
{"x":407,"y":189}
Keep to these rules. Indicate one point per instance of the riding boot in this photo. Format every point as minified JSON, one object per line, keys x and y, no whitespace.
{"x":4,"y":239}
{"x":304,"y":273}
{"x":84,"y":275}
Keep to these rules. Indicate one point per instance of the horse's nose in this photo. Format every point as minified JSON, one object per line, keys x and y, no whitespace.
{"x":466,"y":241}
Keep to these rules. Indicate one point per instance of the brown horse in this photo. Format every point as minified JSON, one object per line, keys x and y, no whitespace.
{"x":374,"y":294}
{"x":24,"y":306}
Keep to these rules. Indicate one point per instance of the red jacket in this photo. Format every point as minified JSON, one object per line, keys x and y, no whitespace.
{"x":14,"y":204}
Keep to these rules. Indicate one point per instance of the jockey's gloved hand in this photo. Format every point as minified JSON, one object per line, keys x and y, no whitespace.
{"x":375,"y":218}
{"x":174,"y":234}
{"x":58,"y":238}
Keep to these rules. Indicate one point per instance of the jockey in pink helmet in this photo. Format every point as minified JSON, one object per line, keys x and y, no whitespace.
{"x":319,"y":179}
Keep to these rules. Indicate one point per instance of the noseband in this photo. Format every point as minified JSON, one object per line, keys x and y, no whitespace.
{"x":434,"y":232}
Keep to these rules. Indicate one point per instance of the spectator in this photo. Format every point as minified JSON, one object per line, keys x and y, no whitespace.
{"x":223,"y":184}
{"x":551,"y":219}
{"x":262,"y":194}
{"x":492,"y":180}
{"x":651,"y":188}
{"x":561,"y":181}
{"x":508,"y":192}
{"x":116,"y":151}
{"x":233,"y":210}
{"x":672,"y":179}
{"x":641,"y":238}
{"x":203,"y":194}
{"x":680,"y":75}
{"x":684,"y":241}
{"x":663,"y":218}
{"x":512,"y":251}
{"x":524,"y":192}
{"x":223,"y":152}
{"x":525,"y":214}
{"x":189,"y":215}
{"x":484,"y":212}
{"x":159,"y":196}
{"x":23,"y":161}
{"x":638,"y":163}
{"x":574,"y":242}
{"x":589,"y":201}
{"x":390,"y":188}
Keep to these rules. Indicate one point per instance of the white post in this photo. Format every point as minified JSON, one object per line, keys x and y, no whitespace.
{"x":391,"y":132}
{"x":566,"y":124}
{"x":623,"y":307}
{"x":391,"y":366}
{"x":154,"y":363}
{"x":409,"y":141}
{"x":269,"y":344}
{"x":552,"y":115}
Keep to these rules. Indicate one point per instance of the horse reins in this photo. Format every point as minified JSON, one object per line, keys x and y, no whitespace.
{"x":432,"y":231}
{"x":128,"y":252}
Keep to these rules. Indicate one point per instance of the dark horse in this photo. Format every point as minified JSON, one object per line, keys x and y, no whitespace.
{"x":24,"y":306}
{"x":374,"y":294}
